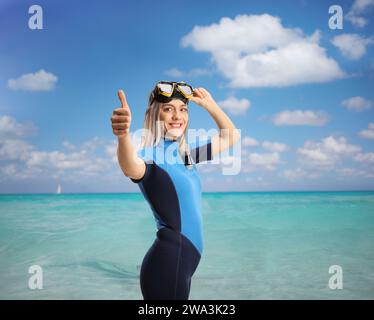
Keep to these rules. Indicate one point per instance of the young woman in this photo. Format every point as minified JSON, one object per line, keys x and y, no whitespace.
{"x":164,"y":168}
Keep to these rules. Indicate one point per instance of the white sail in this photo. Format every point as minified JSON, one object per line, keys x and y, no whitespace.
{"x":58,"y":189}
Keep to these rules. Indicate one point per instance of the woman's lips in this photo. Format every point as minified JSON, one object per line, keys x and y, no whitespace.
{"x":175,"y":125}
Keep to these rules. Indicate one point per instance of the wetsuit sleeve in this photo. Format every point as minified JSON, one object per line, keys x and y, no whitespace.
{"x":146,"y":155}
{"x":201,"y":151}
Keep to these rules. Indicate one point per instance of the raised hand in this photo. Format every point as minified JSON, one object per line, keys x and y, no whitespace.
{"x":121,"y":118}
{"x":202,"y":97}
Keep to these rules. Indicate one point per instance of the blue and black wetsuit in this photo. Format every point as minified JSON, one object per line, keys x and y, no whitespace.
{"x":174,"y":194}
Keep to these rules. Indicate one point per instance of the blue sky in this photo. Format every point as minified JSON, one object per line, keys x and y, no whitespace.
{"x":300,"y":92}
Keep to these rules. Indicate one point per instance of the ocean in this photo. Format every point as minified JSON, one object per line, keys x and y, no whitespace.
{"x":258,"y":245}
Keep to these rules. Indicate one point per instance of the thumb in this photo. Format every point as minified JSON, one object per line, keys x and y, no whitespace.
{"x":122,"y":98}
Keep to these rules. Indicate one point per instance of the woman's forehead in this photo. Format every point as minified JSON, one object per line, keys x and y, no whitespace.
{"x":174,"y":103}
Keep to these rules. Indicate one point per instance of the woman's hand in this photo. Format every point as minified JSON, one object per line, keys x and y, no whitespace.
{"x":202,"y":97}
{"x":121,"y":118}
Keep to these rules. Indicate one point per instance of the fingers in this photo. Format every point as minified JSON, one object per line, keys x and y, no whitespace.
{"x":119,"y":119}
{"x":199,"y":93}
{"x":119,"y":126}
{"x":122,"y":98}
{"x":203,"y":92}
{"x":122,"y":112}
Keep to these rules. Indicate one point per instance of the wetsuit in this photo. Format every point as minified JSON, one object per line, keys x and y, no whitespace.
{"x":174,"y":194}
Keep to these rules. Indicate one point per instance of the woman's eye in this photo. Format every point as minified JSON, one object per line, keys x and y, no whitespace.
{"x":184,"y":109}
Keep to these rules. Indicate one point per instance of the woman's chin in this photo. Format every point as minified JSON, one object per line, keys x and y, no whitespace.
{"x":174,"y":132}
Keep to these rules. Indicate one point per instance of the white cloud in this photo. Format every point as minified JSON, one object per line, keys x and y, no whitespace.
{"x":352,"y":172}
{"x":9,"y":127}
{"x":347,"y":171}
{"x":344,"y":173}
{"x":86,"y":161}
{"x":327,"y":152}
{"x":275,"y":146}
{"x":359,"y":7}
{"x":111,"y":151}
{"x":316,"y":155}
{"x":93,"y":144}
{"x":254,"y":179}
{"x":9,"y":169}
{"x":58,"y":160}
{"x":300,"y":118}
{"x":352,"y":46}
{"x":265,"y":161}
{"x":69,"y":146}
{"x":249,"y":142}
{"x":369,"y":132}
{"x":235,"y":106}
{"x":22,"y":160}
{"x":339,"y":145}
{"x":357,"y":103}
{"x":196,"y":72}
{"x":14,"y":149}
{"x":298,"y":173}
{"x":174,"y":72}
{"x":258,"y":51}
{"x":367,"y":173}
{"x":38,"y":81}
{"x":11,"y":145}
{"x":365,"y":157}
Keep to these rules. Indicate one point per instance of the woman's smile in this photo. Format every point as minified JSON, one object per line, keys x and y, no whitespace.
{"x":176,"y":125}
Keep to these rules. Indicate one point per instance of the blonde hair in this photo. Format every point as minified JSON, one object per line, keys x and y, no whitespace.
{"x":155,"y":130}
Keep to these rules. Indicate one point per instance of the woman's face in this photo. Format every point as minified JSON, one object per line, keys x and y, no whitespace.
{"x":174,"y":114}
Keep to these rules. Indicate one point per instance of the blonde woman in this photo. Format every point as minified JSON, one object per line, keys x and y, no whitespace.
{"x":164,"y":168}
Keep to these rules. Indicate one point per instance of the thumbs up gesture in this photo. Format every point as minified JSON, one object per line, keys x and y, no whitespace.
{"x":121,"y":118}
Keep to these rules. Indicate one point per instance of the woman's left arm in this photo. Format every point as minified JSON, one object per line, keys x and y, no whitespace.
{"x":228,"y":133}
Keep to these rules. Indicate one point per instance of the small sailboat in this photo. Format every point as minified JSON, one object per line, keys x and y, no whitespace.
{"x":58,"y":191}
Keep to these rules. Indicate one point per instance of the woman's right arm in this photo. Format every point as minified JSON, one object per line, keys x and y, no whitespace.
{"x":131,"y":164}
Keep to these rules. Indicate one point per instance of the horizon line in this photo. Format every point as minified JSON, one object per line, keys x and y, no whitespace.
{"x":204,"y":192}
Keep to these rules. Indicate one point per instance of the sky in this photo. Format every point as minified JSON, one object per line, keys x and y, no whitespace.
{"x":295,"y":79}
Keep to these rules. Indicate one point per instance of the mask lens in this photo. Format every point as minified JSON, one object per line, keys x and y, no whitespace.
{"x":185,"y":89}
{"x":166,"y":88}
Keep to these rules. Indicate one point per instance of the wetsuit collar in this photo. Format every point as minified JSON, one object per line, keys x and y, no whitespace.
{"x":166,"y":141}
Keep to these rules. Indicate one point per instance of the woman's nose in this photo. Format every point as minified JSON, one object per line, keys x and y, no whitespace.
{"x":176,"y":115}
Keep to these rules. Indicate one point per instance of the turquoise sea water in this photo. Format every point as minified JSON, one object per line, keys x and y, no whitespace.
{"x":266,"y":245}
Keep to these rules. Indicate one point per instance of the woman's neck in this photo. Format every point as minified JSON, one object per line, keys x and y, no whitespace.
{"x":173,"y":138}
